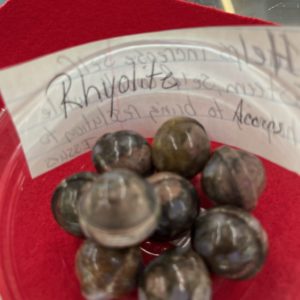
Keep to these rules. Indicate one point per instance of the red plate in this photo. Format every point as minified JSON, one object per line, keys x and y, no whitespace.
{"x":36,"y":256}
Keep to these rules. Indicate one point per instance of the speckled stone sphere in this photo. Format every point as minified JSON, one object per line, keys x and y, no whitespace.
{"x":122,"y":149}
{"x":233,"y":177}
{"x":231,"y":241}
{"x":119,"y":210}
{"x":106,"y":273}
{"x":65,"y":200}
{"x":181,"y":145}
{"x":177,"y":274}
{"x":179,"y":205}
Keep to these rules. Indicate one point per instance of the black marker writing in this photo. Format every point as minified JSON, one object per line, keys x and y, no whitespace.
{"x":241,"y":117}
{"x":106,"y":88}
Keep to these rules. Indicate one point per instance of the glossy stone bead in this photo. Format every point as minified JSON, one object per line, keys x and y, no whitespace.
{"x":181,"y":146}
{"x":177,"y":274}
{"x":183,"y":241}
{"x":65,"y":200}
{"x":123,"y":149}
{"x":179,"y":205}
{"x":119,"y":210}
{"x":233,"y":177}
{"x":107,"y":273}
{"x":231,"y":241}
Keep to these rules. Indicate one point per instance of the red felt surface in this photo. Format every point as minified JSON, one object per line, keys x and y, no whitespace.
{"x":36,"y":256}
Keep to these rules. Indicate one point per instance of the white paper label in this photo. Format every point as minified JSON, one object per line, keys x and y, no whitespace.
{"x":241,"y":83}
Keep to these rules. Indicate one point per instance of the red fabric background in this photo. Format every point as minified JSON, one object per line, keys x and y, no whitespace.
{"x":36,"y":256}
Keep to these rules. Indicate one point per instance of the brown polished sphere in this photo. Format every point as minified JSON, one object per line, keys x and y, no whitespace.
{"x":122,"y":149}
{"x":231,"y":241}
{"x":179,"y":205}
{"x":65,"y":199}
{"x":107,"y":273}
{"x":176,"y":274}
{"x":181,"y":145}
{"x":233,"y":177}
{"x":119,"y":210}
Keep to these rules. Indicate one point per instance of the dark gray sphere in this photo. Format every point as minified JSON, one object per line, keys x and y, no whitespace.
{"x":179,"y":205}
{"x":122,"y":149}
{"x":231,"y":241}
{"x":65,"y":201}
{"x":181,"y":145}
{"x":119,"y":210}
{"x":107,"y":273}
{"x":177,"y":274}
{"x":233,"y":177}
